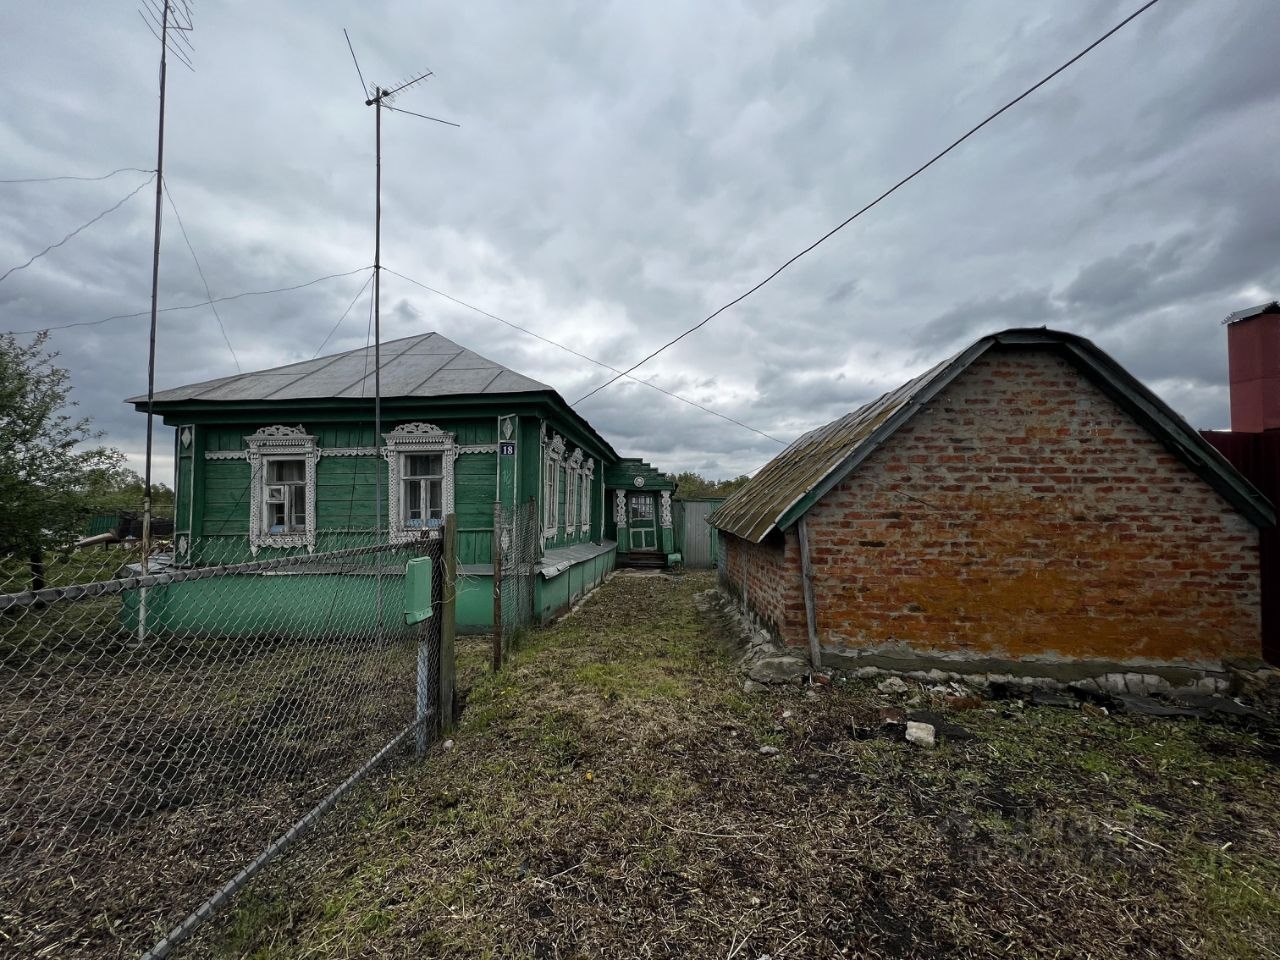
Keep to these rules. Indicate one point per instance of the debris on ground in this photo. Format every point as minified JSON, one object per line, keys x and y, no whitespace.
{"x":922,"y":734}
{"x":892,"y":685}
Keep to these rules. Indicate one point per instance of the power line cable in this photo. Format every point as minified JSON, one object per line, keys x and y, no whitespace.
{"x":350,"y":307}
{"x":583,"y":356}
{"x":893,"y":189}
{"x":105,"y":176}
{"x":83,"y":226}
{"x":189,"y":306}
{"x":207,"y":292}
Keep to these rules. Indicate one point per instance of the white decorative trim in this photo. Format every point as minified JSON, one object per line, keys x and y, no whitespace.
{"x":479,"y":448}
{"x":226,"y":454}
{"x":584,"y":509}
{"x":553,"y":453}
{"x":620,"y":508}
{"x":265,"y":444}
{"x":665,"y":508}
{"x":411,"y":438}
{"x":348,"y":451}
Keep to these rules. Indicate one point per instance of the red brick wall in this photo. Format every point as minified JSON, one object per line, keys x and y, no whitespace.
{"x":1020,"y":514}
{"x":770,"y":574}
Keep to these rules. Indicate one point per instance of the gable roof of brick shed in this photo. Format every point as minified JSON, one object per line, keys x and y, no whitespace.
{"x":785,"y":488}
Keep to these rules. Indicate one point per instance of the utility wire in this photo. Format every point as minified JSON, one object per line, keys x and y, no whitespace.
{"x":105,"y":176}
{"x":190,"y":306}
{"x":905,"y":180}
{"x":583,"y":356}
{"x":350,"y":307}
{"x":83,"y":226}
{"x":207,"y":292}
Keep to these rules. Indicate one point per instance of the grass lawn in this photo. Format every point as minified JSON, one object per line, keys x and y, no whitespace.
{"x":607,"y":797}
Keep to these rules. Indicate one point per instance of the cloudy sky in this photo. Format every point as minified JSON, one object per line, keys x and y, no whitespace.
{"x":622,"y":169}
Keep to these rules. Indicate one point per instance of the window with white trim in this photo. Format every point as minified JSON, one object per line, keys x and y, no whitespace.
{"x":420,"y":459}
{"x":552,"y":455}
{"x":282,"y":487}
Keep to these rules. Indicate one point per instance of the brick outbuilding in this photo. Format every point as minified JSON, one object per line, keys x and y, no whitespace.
{"x":1025,"y":507}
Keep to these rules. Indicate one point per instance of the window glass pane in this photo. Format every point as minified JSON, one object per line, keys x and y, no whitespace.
{"x":297,"y":508}
{"x":423,"y":465}
{"x":436,"y":489}
{"x":413,"y":500}
{"x":286,"y":471}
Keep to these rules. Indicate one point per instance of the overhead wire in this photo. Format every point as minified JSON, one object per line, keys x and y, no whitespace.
{"x":350,"y":307}
{"x":190,"y":306}
{"x":200,"y":270}
{"x":105,"y":176}
{"x":893,"y":189}
{"x":580,"y":355}
{"x":84,"y":226}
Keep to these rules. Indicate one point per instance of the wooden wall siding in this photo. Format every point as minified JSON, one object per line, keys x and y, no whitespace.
{"x":1021,"y":514}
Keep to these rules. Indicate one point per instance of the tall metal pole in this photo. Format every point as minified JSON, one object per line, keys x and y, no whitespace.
{"x":377,"y":307}
{"x":377,"y":351}
{"x":151,"y":347}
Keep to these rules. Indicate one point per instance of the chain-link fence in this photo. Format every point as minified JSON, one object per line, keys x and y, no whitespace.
{"x":517,"y":550}
{"x":164,"y":733}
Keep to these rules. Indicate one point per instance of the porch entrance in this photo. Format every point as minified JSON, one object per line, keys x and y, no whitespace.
{"x":642,"y":523}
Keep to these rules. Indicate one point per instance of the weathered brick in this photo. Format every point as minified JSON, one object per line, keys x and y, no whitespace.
{"x":1091,"y":541}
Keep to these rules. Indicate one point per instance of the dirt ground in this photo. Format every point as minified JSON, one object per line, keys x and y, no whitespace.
{"x":607,"y":796}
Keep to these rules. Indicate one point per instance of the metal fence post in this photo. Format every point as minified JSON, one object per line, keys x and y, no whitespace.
{"x":448,"y":624}
{"x":428,"y":632}
{"x":497,"y":587}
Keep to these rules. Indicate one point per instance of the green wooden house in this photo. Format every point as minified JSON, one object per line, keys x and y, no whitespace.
{"x":286,"y":459}
{"x":639,"y":515}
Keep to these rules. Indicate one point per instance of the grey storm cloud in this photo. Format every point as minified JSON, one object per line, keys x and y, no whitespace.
{"x":622,"y":170}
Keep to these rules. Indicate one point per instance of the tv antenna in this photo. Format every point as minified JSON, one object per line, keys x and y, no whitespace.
{"x":381,"y":98}
{"x":169,"y":22}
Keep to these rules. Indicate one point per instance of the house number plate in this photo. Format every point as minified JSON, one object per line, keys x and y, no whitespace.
{"x":507,"y":449}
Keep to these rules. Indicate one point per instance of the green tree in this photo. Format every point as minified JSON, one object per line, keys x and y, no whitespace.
{"x":694,"y":486}
{"x":115,"y":488}
{"x":48,"y":464}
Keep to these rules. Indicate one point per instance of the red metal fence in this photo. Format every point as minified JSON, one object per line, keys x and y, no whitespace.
{"x":1257,"y":456}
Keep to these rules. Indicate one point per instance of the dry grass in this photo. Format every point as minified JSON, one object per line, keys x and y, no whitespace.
{"x":607,"y":798}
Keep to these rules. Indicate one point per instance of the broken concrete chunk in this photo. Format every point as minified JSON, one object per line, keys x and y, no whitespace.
{"x":921,"y":734}
{"x":750,"y":686}
{"x":785,"y":669}
{"x":769,"y":751}
{"x":893,"y":685}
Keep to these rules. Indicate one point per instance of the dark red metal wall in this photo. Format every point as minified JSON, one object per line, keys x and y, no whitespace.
{"x":1257,"y":456}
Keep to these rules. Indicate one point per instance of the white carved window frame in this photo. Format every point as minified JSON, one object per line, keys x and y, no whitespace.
{"x":553,"y":454}
{"x":410,"y":439}
{"x":665,"y":509}
{"x":584,"y":511}
{"x":280,"y":443}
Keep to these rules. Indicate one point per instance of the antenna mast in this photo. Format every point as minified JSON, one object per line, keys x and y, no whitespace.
{"x":169,"y":18}
{"x":380,"y":98}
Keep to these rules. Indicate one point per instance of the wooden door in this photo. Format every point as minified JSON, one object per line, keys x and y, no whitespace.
{"x":642,"y":524}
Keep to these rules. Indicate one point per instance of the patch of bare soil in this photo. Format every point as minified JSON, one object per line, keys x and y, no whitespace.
{"x":137,"y":782}
{"x":614,"y":793}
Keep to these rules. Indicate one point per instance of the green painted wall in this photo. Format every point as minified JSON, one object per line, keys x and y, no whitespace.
{"x":555,"y":595}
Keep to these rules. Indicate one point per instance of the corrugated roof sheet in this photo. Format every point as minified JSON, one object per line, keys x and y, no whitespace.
{"x":784,"y":488}
{"x":753,"y":510}
{"x":428,"y":365}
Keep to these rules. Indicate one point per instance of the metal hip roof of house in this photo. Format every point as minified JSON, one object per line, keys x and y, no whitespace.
{"x":789,"y":484}
{"x":428,"y":365}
